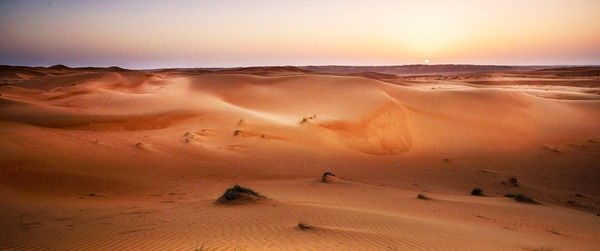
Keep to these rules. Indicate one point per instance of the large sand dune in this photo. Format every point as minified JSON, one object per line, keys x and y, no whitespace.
{"x":109,"y":159}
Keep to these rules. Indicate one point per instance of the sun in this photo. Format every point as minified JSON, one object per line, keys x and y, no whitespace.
{"x":426,"y":61}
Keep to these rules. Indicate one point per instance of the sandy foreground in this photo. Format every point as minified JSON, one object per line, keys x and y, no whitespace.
{"x":112,"y":159}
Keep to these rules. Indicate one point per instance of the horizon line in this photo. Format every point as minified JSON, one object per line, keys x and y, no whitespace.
{"x":323,"y":65}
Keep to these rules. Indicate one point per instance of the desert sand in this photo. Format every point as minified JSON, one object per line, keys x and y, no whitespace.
{"x":115,"y":159}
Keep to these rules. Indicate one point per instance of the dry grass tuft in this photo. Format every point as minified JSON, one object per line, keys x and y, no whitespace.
{"x":304,"y":226}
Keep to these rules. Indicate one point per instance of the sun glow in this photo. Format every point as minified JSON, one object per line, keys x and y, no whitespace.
{"x":214,"y":33}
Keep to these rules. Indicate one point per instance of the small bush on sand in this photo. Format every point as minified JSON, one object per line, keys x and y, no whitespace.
{"x":521,"y":198}
{"x":236,"y":132}
{"x":422,"y":196}
{"x":514,"y":181}
{"x":477,"y":192}
{"x":525,"y":199}
{"x":324,"y":177}
{"x":303,"y":226}
{"x":239,"y":193}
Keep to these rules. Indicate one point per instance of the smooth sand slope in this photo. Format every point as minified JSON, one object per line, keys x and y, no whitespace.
{"x":112,"y":159}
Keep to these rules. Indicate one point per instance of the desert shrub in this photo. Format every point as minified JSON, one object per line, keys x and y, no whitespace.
{"x":514,"y":181}
{"x":422,"y":196}
{"x":524,"y":198}
{"x":477,"y":192}
{"x":303,"y":226}
{"x":521,"y":198}
{"x":324,"y":177}
{"x":233,"y":193}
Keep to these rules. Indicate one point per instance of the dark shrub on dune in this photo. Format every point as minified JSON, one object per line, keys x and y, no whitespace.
{"x":514,"y":181}
{"x":477,"y":192}
{"x":422,"y":196}
{"x":303,"y":226}
{"x":521,"y":198}
{"x":324,"y":177}
{"x":525,"y":199}
{"x":238,"y":193}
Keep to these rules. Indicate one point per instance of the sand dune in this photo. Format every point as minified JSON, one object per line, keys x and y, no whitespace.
{"x":113,"y":159}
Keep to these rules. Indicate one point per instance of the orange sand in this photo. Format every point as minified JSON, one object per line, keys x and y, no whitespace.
{"x":110,"y":159}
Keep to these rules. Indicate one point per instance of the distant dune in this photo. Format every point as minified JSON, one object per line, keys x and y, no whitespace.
{"x":420,"y":69}
{"x":117,"y":159}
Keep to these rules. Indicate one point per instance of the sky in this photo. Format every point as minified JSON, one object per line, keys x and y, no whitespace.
{"x":226,"y":33}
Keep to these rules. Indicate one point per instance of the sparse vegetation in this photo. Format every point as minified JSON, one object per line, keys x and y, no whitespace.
{"x":305,"y":119}
{"x":236,"y":132}
{"x":514,"y":181}
{"x":138,"y":144}
{"x":231,"y":193}
{"x":304,"y":226}
{"x":477,"y":192}
{"x":324,"y":177}
{"x":525,"y":199}
{"x":188,"y":136}
{"x":239,"y":193}
{"x":422,"y":196}
{"x":521,"y":198}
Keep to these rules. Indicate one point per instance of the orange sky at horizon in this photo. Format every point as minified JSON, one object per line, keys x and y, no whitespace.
{"x":142,"y":34}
